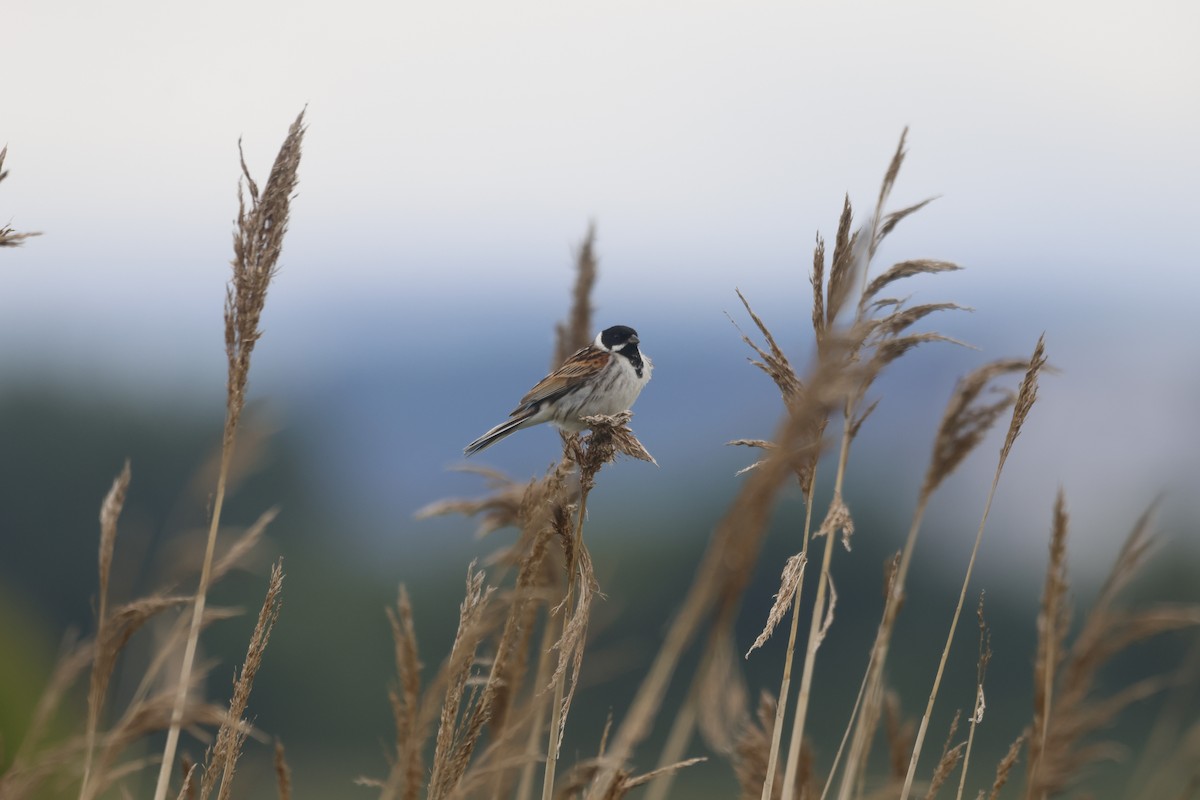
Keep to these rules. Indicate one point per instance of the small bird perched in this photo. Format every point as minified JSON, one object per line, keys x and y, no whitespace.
{"x":603,"y":378}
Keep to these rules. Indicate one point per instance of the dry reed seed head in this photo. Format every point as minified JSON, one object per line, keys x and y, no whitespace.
{"x":1005,"y":767}
{"x":899,"y":271}
{"x":574,"y":637}
{"x":793,"y":572}
{"x":775,"y":363}
{"x":1059,"y":747}
{"x":893,"y":171}
{"x":283,"y":772}
{"x":945,"y":768}
{"x":188,"y":790}
{"x":890,"y":221}
{"x":817,"y":280}
{"x":257,"y":244}
{"x":501,"y":509}
{"x":635,"y":781}
{"x":1053,"y":622}
{"x":110,"y":512}
{"x":1026,"y":396}
{"x":899,"y":320}
{"x":407,"y":772}
{"x":448,"y":764}
{"x":105,"y":659}
{"x":232,"y":735}
{"x":848,"y":263}
{"x":751,"y":752}
{"x":967,"y":419}
{"x":837,"y":518}
{"x":575,"y":332}
{"x":610,"y":436}
{"x":762,"y":444}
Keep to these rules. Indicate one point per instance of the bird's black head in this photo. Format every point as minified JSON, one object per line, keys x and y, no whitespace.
{"x":617,"y":337}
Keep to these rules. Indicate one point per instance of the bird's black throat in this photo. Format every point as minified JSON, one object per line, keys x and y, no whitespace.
{"x":630,"y":351}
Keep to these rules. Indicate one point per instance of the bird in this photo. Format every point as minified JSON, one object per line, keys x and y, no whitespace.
{"x":603,"y":378}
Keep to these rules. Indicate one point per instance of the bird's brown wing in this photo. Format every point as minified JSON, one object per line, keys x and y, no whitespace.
{"x":575,"y":371}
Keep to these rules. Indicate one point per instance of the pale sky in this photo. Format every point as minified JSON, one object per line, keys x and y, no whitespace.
{"x":710,"y":140}
{"x":456,"y":152}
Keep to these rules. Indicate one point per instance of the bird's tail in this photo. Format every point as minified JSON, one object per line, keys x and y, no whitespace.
{"x":495,"y":434}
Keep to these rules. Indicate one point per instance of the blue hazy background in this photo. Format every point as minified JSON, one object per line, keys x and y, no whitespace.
{"x":455,"y":155}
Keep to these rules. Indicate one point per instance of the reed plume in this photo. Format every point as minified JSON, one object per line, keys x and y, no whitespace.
{"x":262,"y":223}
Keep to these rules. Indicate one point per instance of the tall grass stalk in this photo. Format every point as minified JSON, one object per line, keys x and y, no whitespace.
{"x":557,"y":709}
{"x":785,"y":684}
{"x":257,"y":244}
{"x":822,"y":616}
{"x":1026,"y":397}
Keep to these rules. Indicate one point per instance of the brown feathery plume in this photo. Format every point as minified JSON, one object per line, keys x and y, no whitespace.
{"x":283,"y":773}
{"x":879,"y":341}
{"x":1005,"y":767}
{"x":1026,"y":396}
{"x":500,"y":509}
{"x":904,"y":269}
{"x":257,"y":245}
{"x":188,"y":790}
{"x":777,"y":366}
{"x":846,"y":266}
{"x":635,"y":781}
{"x":970,"y":414}
{"x":609,"y":436}
{"x":1053,"y":623}
{"x":752,"y":749}
{"x":575,"y":331}
{"x":492,"y":704}
{"x":948,"y":760}
{"x":232,"y":735}
{"x":731,"y":554}
{"x":407,"y":772}
{"x":8,"y":236}
{"x":542,"y":512}
{"x":793,"y":573}
{"x":110,"y":512}
{"x":981,"y":665}
{"x":967,"y":419}
{"x":817,"y":280}
{"x":449,"y":762}
{"x":1076,"y":711}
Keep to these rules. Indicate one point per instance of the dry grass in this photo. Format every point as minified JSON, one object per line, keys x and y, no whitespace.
{"x":257,"y":245}
{"x":491,"y":717}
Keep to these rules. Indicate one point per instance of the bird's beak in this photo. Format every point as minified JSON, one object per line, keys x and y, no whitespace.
{"x":634,"y":339}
